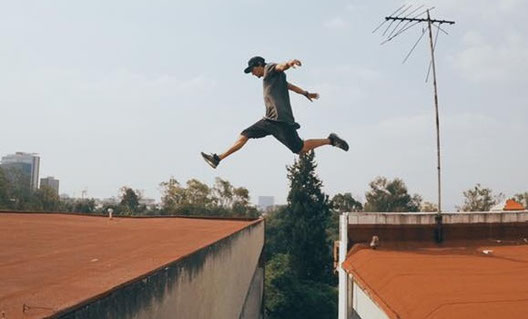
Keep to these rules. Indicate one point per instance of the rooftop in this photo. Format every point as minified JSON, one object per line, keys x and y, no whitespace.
{"x":50,"y":262}
{"x":480,"y":270}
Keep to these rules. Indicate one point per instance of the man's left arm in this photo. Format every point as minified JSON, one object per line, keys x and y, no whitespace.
{"x":281,"y":67}
{"x":307,"y":94}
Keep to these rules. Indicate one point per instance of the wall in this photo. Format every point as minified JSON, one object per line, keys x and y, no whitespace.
{"x":253,"y":305}
{"x":402,"y":227}
{"x":363,"y":305}
{"x":214,"y":282}
{"x":428,"y":218}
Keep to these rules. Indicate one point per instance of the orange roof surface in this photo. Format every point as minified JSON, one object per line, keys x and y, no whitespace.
{"x":50,"y":262}
{"x":485,"y":279}
{"x":513,"y":205}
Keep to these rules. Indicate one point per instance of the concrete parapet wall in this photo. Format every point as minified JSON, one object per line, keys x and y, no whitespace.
{"x":421,"y":227}
{"x":213,"y":282}
{"x":429,"y":218}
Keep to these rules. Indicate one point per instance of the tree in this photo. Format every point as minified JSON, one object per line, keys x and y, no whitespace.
{"x":308,"y":213}
{"x":223,"y":199}
{"x":299,"y":275}
{"x":241,"y":205}
{"x":195,"y":199}
{"x":240,"y":196}
{"x":341,"y":203}
{"x":345,"y":203}
{"x":198,"y":193}
{"x":479,"y":199}
{"x":5,"y":192}
{"x":172,"y":195}
{"x":390,"y":196}
{"x":280,"y":284}
{"x":223,"y":193}
{"x":429,"y":207}
{"x":85,"y":206}
{"x":522,"y":198}
{"x":129,"y":204}
{"x":289,"y":297}
{"x":47,"y":199}
{"x":227,"y":196}
{"x":17,"y":191}
{"x":276,"y":235}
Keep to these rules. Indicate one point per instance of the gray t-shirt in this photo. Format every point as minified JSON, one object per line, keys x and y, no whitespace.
{"x":276,"y":95}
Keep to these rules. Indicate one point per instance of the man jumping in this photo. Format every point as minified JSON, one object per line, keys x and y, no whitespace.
{"x":279,"y":120}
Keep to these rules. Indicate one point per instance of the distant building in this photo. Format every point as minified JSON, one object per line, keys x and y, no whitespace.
{"x":266,"y":202}
{"x":50,"y":182}
{"x":110,"y":201}
{"x":22,"y":168}
{"x":148,"y":202}
{"x":106,"y":202}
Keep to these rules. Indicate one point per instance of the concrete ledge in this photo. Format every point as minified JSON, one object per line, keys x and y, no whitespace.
{"x":429,"y":218}
{"x":100,"y":215}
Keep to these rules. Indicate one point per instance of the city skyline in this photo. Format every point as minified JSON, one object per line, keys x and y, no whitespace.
{"x":133,"y":99}
{"x":22,"y":168}
{"x":51,"y":182}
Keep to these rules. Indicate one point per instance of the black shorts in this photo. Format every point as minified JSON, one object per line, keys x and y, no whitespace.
{"x":286,"y":133}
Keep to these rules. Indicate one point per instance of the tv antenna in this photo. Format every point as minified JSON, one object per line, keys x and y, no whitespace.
{"x":400,"y":21}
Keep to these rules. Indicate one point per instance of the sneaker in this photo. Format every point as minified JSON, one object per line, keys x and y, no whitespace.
{"x":338,"y":142}
{"x":211,"y":159}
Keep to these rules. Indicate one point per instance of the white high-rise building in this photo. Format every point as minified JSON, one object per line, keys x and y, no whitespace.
{"x":23,"y":168}
{"x":50,"y":182}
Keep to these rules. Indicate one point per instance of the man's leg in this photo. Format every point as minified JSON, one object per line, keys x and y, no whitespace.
{"x":235,"y":147}
{"x":287,"y":135}
{"x":332,"y":139}
{"x":257,"y":130}
{"x":214,"y":159}
{"x":314,"y":143}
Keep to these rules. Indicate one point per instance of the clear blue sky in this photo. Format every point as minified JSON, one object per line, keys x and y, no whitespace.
{"x":114,"y":93}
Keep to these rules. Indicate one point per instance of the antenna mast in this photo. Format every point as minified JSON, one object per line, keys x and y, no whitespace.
{"x":409,"y":23}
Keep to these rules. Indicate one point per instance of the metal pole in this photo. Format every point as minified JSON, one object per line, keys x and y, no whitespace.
{"x":436,"y":110}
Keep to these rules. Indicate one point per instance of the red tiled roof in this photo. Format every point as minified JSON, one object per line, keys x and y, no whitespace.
{"x":513,"y":205}
{"x":51,"y":261}
{"x":479,"y":279}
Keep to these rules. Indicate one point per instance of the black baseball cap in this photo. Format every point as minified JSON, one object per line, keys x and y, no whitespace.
{"x":253,"y":62}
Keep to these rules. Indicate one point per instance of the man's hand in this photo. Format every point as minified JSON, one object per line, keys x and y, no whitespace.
{"x":286,"y":65}
{"x":311,"y":96}
{"x":294,"y":63}
{"x":298,"y":90}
